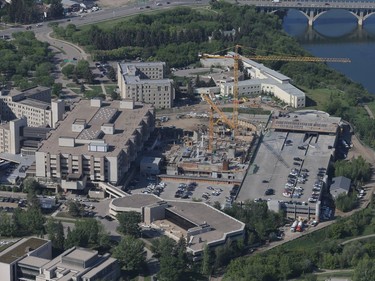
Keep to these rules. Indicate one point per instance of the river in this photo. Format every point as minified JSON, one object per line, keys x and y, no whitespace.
{"x":336,"y":34}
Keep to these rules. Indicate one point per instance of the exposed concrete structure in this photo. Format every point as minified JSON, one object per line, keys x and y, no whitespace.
{"x":145,"y":82}
{"x":227,"y":164}
{"x":97,"y":141}
{"x":198,"y":222}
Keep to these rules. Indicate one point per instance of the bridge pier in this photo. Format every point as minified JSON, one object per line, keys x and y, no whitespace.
{"x":360,"y":19}
{"x":311,"y":17}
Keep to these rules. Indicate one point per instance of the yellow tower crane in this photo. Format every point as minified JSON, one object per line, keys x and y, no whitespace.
{"x":233,"y":124}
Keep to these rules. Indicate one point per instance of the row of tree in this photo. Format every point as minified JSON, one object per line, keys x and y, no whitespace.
{"x":320,"y":249}
{"x":30,"y":11}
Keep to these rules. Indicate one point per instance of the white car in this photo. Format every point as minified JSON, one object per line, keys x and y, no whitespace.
{"x":287,"y":194}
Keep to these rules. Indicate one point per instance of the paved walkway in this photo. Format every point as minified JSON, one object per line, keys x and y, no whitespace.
{"x":358,"y":238}
{"x":103,"y":88}
{"x":369,"y":112}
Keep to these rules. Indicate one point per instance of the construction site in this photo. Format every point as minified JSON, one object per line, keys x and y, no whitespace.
{"x":218,"y":156}
{"x":232,"y":153}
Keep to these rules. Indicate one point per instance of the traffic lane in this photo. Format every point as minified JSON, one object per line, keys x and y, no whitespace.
{"x":69,"y":51}
{"x":103,"y":15}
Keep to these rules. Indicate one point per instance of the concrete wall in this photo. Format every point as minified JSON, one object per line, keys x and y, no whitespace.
{"x":58,"y":110}
{"x":6,"y":272}
{"x":67,"y":142}
{"x":14,"y":137}
{"x":153,"y":213}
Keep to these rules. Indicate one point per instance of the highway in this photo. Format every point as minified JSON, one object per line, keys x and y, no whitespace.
{"x":70,"y":50}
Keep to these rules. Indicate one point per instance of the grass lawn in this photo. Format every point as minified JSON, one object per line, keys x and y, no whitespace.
{"x":309,"y":240}
{"x":72,"y":85}
{"x":110,"y":88}
{"x":318,"y":97}
{"x":347,"y":274}
{"x":91,"y":90}
{"x":3,"y":247}
{"x":65,"y":215}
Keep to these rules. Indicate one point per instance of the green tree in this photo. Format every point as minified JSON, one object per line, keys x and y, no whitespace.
{"x":346,"y":203}
{"x":82,"y":88}
{"x":56,"y":89}
{"x":174,"y":261}
{"x":68,"y":70}
{"x":87,"y":233}
{"x":75,"y":209}
{"x":7,"y":228}
{"x":364,"y":271}
{"x":55,"y":231}
{"x":357,"y":169}
{"x":56,"y":9}
{"x":111,"y":73}
{"x":130,"y":253}
{"x":207,"y":261}
{"x":30,"y":185}
{"x":83,"y":71}
{"x":129,"y":223}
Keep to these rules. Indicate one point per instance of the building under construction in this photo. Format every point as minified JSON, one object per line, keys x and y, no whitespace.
{"x":225,"y":160}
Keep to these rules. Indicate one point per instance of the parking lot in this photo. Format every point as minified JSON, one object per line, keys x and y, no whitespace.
{"x":290,"y":165}
{"x":185,"y":190}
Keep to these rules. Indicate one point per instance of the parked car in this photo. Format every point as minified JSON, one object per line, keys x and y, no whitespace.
{"x":269,"y":191}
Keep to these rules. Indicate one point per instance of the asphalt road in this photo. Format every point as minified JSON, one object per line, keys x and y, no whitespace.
{"x":107,"y":14}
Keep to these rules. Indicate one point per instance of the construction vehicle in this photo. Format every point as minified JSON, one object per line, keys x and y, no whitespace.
{"x":299,"y":227}
{"x":293,"y":227}
{"x":233,"y":124}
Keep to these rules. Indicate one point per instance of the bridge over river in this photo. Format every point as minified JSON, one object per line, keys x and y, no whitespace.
{"x":314,"y":9}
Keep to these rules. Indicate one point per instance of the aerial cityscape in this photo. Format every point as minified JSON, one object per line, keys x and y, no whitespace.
{"x":187,"y":140}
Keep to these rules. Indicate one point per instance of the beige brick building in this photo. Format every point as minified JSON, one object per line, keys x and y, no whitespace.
{"x":145,"y":82}
{"x":35,"y":104}
{"x":97,"y":141}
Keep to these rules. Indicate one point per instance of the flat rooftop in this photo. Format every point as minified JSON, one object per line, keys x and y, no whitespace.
{"x":138,"y":80}
{"x":126,"y":122}
{"x":307,"y":121}
{"x":81,"y":254}
{"x":197,"y":213}
{"x":136,"y":201}
{"x":275,"y":160}
{"x":20,"y":249}
{"x":263,"y":68}
{"x":200,"y":213}
{"x":34,"y":261}
{"x":28,"y":92}
{"x":35,"y":103}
